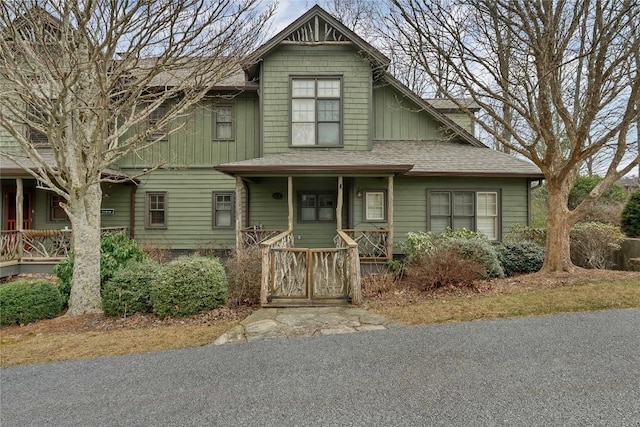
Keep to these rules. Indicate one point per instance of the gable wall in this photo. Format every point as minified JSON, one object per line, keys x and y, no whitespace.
{"x":193,"y":144}
{"x":292,"y":60}
{"x":398,"y":118}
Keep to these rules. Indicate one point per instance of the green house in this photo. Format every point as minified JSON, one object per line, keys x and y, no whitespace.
{"x":314,"y":151}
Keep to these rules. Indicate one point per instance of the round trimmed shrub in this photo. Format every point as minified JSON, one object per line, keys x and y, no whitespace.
{"x":630,"y":218}
{"x":520,"y":257}
{"x":129,"y":290}
{"x":189,"y":285}
{"x":24,"y":302}
{"x":476,"y":249}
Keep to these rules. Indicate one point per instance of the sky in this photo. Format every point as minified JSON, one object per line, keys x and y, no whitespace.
{"x":288,"y":11}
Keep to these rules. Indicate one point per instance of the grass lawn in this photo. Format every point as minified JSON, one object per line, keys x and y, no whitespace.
{"x":89,"y":336}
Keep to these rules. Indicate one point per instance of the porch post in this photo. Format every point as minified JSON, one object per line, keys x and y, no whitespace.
{"x":19,"y":215}
{"x":390,"y":218}
{"x":339,"y":205}
{"x":238,"y":209}
{"x":19,"y":204}
{"x":290,"y":202}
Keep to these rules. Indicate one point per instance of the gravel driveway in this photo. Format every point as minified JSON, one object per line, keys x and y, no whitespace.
{"x":570,"y":370}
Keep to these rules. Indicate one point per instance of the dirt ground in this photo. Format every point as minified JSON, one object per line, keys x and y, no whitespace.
{"x":382,"y":290}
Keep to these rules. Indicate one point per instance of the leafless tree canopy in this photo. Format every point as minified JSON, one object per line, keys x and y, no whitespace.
{"x":88,"y":76}
{"x":557,"y":80}
{"x":90,"y":71}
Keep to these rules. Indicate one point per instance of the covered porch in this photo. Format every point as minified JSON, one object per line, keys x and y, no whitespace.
{"x":315,"y":226}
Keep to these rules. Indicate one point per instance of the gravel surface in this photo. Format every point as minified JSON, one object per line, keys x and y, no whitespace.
{"x":571,"y":370}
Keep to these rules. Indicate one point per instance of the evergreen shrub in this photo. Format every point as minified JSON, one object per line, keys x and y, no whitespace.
{"x":116,"y":250}
{"x":129,"y":290}
{"x":520,"y":257}
{"x":189,"y":285}
{"x":630,"y":218}
{"x":26,"y":301}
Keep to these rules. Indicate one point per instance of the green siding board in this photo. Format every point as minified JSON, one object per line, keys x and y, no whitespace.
{"x":193,"y":145}
{"x":398,"y":118}
{"x":189,"y":208}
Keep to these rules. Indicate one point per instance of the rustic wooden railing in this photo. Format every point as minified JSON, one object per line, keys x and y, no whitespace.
{"x":32,"y":245}
{"x":271,"y":262}
{"x":343,"y":240}
{"x":253,"y":236}
{"x":372,"y":244}
{"x":10,"y":245}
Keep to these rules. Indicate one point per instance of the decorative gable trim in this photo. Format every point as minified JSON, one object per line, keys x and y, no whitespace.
{"x":316,"y":30}
{"x":317,"y":26}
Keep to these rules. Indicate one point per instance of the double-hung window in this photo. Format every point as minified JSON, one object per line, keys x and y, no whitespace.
{"x":374,"y":206}
{"x":56,"y":213}
{"x":316,"y":111}
{"x":223,"y":209}
{"x":473,"y":210}
{"x":156,"y":210}
{"x":155,"y":129}
{"x":223,"y":122}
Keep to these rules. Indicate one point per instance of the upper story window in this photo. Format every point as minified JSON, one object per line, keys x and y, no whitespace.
{"x":38,"y":116}
{"x":223,"y":122}
{"x":316,"y":111}
{"x":155,"y":129}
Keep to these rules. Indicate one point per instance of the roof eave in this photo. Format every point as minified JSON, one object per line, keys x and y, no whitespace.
{"x":536,"y":175}
{"x":280,"y":169}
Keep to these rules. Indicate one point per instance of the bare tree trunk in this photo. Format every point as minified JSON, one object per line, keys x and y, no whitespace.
{"x":85,"y":291}
{"x":559,"y":221}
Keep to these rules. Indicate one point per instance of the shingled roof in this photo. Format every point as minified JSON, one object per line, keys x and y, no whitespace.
{"x":412,"y":158}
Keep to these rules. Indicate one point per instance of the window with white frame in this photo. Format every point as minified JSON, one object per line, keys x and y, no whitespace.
{"x":223,"y":209}
{"x":316,"y":111}
{"x":473,"y":210}
{"x":223,"y":122}
{"x":374,"y":206}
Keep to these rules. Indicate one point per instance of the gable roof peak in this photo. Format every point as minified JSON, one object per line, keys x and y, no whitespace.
{"x":317,"y":26}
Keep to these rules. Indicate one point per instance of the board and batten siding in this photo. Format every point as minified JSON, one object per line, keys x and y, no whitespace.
{"x":193,"y":143}
{"x":398,"y":118}
{"x":322,"y":60}
{"x":189,"y":209}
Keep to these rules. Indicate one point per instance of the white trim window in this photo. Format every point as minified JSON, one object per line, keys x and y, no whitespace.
{"x":223,"y":209}
{"x":374,"y":206}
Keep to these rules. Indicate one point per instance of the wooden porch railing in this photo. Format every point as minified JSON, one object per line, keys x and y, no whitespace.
{"x":272,"y":263}
{"x":343,"y":240}
{"x":372,"y":244}
{"x":32,"y":245}
{"x":253,"y":236}
{"x":303,"y":273}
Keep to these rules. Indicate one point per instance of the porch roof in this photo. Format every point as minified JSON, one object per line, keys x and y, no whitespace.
{"x":9,"y":167}
{"x":412,"y":158}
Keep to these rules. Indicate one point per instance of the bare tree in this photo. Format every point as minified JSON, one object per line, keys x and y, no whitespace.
{"x":88,"y":75}
{"x":571,"y":84}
